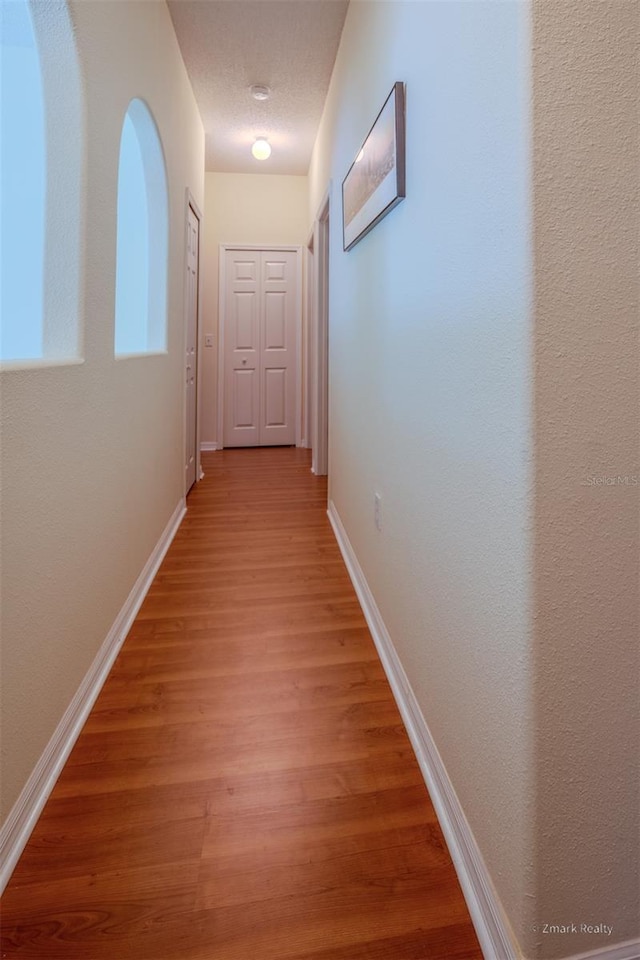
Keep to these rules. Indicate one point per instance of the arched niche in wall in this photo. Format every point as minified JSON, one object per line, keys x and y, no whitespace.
{"x":142,"y":237}
{"x":42,"y":183}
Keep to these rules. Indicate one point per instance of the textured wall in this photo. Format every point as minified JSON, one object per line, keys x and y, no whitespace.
{"x":484,"y":380}
{"x":242,"y":208}
{"x":430,"y":388}
{"x":587,"y":401}
{"x":92,"y":453}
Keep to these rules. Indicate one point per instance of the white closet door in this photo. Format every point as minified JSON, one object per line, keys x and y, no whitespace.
{"x":261,"y":322}
{"x":278,"y":348}
{"x":242,"y":349}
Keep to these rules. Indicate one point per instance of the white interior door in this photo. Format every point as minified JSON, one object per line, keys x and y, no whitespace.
{"x":191,"y":360}
{"x":242,"y":349}
{"x":261,"y":322}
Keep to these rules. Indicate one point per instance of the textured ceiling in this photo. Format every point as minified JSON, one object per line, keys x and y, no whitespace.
{"x":289,"y":45}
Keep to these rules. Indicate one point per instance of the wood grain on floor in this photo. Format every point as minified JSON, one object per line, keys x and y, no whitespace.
{"x":244,"y":788}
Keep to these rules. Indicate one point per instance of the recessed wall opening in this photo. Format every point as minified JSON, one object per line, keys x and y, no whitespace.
{"x":142,"y":237}
{"x":23,"y":187}
{"x":41,"y":185}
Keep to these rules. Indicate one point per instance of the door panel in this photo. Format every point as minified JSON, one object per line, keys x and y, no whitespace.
{"x":275,"y":397}
{"x":275,"y":321}
{"x":245,"y":321}
{"x":245,"y":270}
{"x":261,"y":305}
{"x":244,"y":397}
{"x":274,"y":270}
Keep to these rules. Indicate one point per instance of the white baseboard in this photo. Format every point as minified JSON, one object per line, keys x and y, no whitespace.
{"x":492,"y":927}
{"x":208,"y":445}
{"x":25,"y":812}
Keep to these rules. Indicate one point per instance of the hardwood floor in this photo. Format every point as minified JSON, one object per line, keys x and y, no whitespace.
{"x":244,"y":788}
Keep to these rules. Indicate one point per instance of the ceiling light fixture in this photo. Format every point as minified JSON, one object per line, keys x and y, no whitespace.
{"x":259,"y":91}
{"x":261,"y":149}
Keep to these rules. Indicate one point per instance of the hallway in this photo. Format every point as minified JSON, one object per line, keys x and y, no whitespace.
{"x":244,"y":788}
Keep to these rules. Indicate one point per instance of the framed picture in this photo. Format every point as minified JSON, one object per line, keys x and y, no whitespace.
{"x":375,"y":183}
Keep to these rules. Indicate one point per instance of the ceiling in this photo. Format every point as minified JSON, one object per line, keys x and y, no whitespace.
{"x":288,"y":45}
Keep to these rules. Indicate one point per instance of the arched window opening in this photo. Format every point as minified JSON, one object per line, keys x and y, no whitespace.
{"x":41,"y":186}
{"x":142,"y":237}
{"x":23,"y":187}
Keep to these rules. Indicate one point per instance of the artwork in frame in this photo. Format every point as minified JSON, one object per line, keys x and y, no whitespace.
{"x":375,"y":183}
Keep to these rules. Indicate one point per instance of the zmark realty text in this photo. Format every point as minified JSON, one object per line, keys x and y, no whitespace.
{"x":596,"y":928}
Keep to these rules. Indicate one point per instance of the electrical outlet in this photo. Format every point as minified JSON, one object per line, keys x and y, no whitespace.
{"x":377,"y":510}
{"x":208,"y":340}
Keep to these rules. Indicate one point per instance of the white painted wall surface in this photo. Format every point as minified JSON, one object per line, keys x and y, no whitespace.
{"x":586,"y":151}
{"x":242,"y":208}
{"x":430,"y":382}
{"x":510,"y":590}
{"x":92,"y":454}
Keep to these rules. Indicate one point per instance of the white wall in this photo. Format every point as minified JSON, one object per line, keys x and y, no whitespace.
{"x":430,"y":387}
{"x":474,"y":386}
{"x":242,"y":208}
{"x":586,"y":151}
{"x":92,"y":454}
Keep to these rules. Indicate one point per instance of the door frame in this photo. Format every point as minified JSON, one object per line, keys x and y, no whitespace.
{"x":222,"y":279}
{"x":190,"y":202}
{"x":307,"y":333}
{"x":318,"y":362}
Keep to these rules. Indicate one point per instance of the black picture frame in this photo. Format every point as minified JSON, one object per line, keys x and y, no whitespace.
{"x":375,"y":181}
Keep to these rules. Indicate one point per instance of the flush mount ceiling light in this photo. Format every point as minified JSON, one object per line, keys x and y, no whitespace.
{"x":261,"y":149}
{"x":259,"y":91}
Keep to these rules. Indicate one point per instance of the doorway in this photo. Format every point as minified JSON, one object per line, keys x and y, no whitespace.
{"x":191,"y":344}
{"x":260,"y":321}
{"x":318,"y":364}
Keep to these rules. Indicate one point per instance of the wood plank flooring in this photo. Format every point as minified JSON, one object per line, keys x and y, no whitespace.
{"x":244,"y":788}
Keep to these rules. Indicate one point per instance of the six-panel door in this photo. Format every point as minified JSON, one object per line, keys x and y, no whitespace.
{"x":261,"y":303}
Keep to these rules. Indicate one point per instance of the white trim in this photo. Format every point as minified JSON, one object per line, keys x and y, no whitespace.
{"x":497,"y":940}
{"x":208,"y":445}
{"x":307,"y":328}
{"x":319,"y":340}
{"x":299,"y":338}
{"x":190,"y":202}
{"x":281,"y":247}
{"x":118,"y":357}
{"x":495,"y":936}
{"x":39,"y":363}
{"x":25,"y":812}
{"x":222,"y":282}
{"x":265,"y":247}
